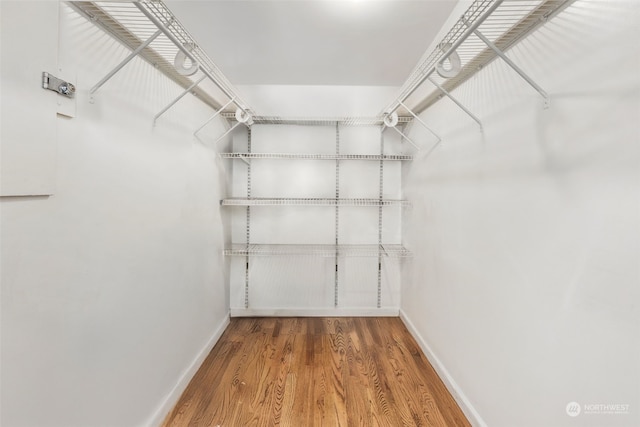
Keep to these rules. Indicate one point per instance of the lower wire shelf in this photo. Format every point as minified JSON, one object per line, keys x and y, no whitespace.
{"x":388,"y":250}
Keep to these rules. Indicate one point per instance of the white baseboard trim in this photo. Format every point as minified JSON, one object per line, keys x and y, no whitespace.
{"x":469,"y":411}
{"x":315,"y":312}
{"x":172,"y":398}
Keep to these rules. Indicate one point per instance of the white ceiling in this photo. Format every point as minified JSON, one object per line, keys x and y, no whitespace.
{"x":314,"y":42}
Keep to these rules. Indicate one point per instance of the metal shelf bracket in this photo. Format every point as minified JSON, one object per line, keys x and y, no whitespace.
{"x":521,"y":73}
{"x":178,"y":98}
{"x":455,"y":101}
{"x":405,"y":137}
{"x":124,"y":62}
{"x":419,"y":120}
{"x":213,"y":116}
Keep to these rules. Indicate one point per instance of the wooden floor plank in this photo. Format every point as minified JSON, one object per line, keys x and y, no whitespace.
{"x":304,"y":372}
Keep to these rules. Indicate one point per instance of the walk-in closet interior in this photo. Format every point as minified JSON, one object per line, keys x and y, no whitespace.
{"x":431,"y":201}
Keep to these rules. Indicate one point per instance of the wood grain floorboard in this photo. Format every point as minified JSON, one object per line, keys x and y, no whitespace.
{"x":307,"y":372}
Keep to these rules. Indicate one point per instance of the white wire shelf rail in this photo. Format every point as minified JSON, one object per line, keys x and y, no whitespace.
{"x":483,"y":33}
{"x":151,"y":31}
{"x":325,"y":251}
{"x":311,"y":202}
{"x":320,"y":121}
{"x":302,"y":156}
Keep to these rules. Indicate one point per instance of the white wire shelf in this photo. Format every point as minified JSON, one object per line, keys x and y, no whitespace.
{"x":292,"y":156}
{"x":510,"y":22}
{"x":326,"y":251}
{"x":319,"y":121}
{"x":126,"y":22}
{"x":237,"y":201}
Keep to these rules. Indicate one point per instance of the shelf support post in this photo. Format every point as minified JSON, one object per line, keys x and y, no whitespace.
{"x":178,"y":98}
{"x":124,"y":62}
{"x":380,"y":212}
{"x":248,"y":225}
{"x":337,"y":217}
{"x":510,"y":63}
{"x":455,"y":101}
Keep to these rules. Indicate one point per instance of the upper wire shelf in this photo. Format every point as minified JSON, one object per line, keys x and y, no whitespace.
{"x":320,"y":121}
{"x":502,"y":22}
{"x":386,"y":250}
{"x":311,"y":202}
{"x":293,"y":156}
{"x":132,"y":23}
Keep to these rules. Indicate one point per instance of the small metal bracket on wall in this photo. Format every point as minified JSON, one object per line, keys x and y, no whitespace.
{"x":58,"y":85}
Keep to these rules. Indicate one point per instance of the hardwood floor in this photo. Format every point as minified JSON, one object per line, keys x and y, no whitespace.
{"x":304,"y":372}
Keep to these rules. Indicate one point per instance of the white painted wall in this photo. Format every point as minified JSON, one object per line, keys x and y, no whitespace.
{"x":317,"y":101}
{"x":525,"y":282}
{"x":114,"y":288}
{"x":27,"y":152}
